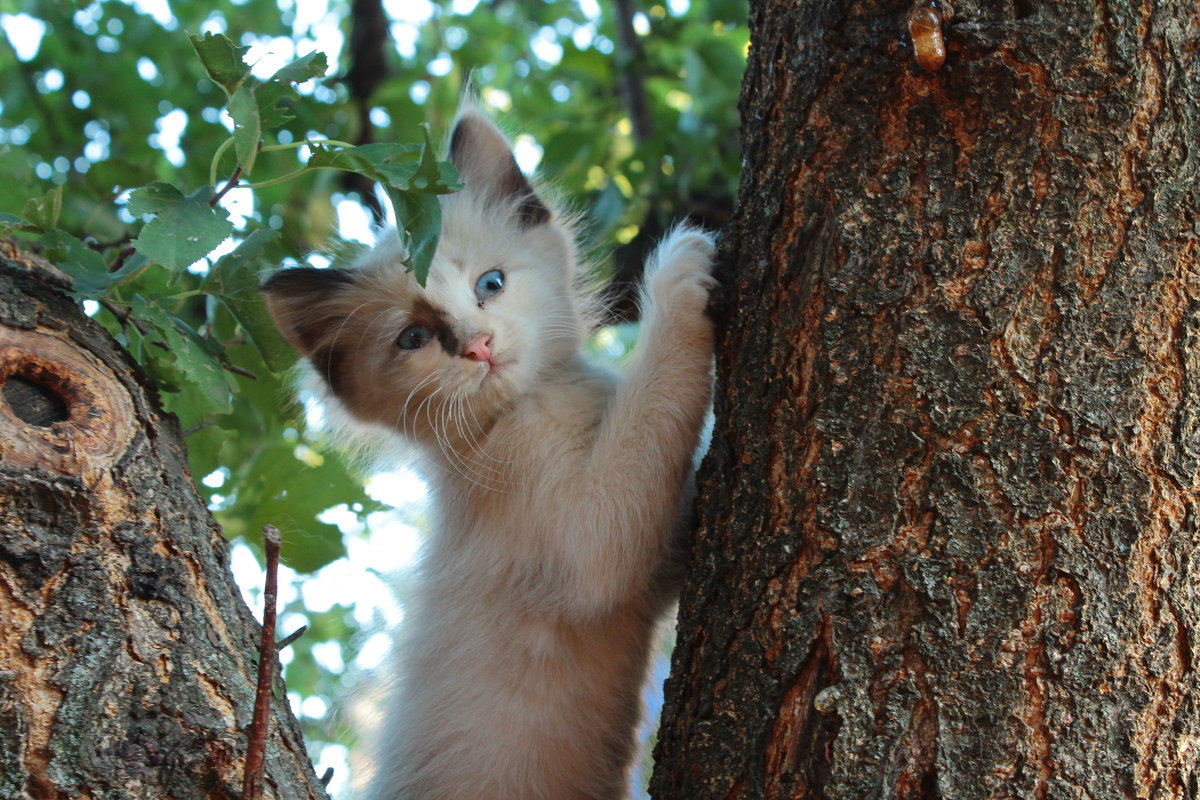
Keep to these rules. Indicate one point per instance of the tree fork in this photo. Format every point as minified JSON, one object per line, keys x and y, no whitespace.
{"x":947,"y":521}
{"x":127,"y":656}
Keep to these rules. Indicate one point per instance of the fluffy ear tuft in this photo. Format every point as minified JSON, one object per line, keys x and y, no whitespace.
{"x":485,"y":160}
{"x":303,"y":302}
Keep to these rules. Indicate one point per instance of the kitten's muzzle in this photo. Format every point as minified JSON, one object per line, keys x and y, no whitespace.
{"x":479,"y":348}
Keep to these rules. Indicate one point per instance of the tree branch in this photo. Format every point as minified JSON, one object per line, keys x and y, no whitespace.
{"x":291,"y":638}
{"x":630,"y":61}
{"x":229,"y":184}
{"x":256,"y":751}
{"x":368,"y":68}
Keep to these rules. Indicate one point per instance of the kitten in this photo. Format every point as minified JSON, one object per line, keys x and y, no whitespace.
{"x":557,"y":485}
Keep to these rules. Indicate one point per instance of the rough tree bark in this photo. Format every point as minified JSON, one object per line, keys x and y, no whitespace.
{"x":127,"y":657}
{"x":945,"y":541}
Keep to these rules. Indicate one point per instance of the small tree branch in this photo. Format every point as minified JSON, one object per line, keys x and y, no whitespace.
{"x":208,"y":423}
{"x":100,"y":246}
{"x":257,"y":748}
{"x":236,"y":370}
{"x":126,"y":318}
{"x":291,"y":638}
{"x":121,"y":258}
{"x":229,"y":184}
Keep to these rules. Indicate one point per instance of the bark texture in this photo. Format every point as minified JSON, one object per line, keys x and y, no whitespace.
{"x":946,"y":538}
{"x":126,"y":653}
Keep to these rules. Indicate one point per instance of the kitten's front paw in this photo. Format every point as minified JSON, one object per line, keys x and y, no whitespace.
{"x":681,"y":270}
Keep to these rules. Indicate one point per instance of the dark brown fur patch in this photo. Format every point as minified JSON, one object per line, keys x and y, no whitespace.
{"x":510,"y":187}
{"x":436,"y":320}
{"x":301,"y":301}
{"x":330,"y":364}
{"x":531,"y":212}
{"x":306,"y":280}
{"x":458,"y":140}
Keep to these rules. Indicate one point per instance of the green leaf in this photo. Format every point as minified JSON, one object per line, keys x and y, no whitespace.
{"x":313,"y":65}
{"x":274,"y":104}
{"x":185,"y":231}
{"x":247,"y":128}
{"x":154,"y":198}
{"x":432,"y":175}
{"x":85,"y":266}
{"x":607,"y":209}
{"x":386,"y":163}
{"x":405,"y":167}
{"x":412,"y":176}
{"x":275,"y":96}
{"x":11,"y":222}
{"x":88,"y":270}
{"x":293,"y":504}
{"x":44,"y":211}
{"x":233,"y":280}
{"x":134,"y":265}
{"x":195,"y":360}
{"x":312,"y":545}
{"x":419,"y":216}
{"x":222,"y":59}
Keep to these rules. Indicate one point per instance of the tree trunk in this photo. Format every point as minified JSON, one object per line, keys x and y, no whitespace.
{"x":127,"y":657}
{"x":944,"y":546}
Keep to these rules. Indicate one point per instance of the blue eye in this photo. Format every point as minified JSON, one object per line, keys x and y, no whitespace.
{"x":489,"y":285}
{"x":415,"y":337}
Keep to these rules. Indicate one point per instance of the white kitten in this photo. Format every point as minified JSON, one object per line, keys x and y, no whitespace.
{"x":557,"y":485}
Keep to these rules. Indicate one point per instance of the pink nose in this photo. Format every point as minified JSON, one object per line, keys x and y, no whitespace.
{"x":479,"y":348}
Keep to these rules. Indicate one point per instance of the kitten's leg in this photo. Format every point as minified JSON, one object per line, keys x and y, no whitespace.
{"x":643,"y":451}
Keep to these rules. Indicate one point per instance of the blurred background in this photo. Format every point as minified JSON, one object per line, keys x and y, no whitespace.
{"x":627,"y":110}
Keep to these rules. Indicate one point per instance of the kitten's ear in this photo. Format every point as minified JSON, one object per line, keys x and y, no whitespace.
{"x":486,"y":163}
{"x":305,"y":303}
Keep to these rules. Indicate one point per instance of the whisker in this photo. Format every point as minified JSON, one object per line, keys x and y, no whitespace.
{"x":337,"y":335}
{"x":460,"y":421}
{"x":448,"y":449}
{"x":402,"y":415}
{"x":477,"y":468}
{"x":464,"y":406}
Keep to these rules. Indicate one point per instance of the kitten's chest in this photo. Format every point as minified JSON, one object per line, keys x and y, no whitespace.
{"x":551,"y":429}
{"x":534,"y":465}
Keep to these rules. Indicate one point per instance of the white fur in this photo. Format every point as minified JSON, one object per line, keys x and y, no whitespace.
{"x":557,"y":489}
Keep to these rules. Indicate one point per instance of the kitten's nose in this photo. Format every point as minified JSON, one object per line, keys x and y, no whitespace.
{"x":479,"y":348}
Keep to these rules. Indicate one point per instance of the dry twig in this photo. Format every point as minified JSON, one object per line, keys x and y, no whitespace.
{"x":256,"y":751}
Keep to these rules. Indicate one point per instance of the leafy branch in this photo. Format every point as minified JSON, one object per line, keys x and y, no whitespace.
{"x":411,"y":175}
{"x":179,"y":227}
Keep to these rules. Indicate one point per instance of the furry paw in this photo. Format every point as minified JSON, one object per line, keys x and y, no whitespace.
{"x":679,"y":276}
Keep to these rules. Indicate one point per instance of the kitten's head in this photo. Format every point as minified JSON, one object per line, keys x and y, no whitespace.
{"x":500,"y":308}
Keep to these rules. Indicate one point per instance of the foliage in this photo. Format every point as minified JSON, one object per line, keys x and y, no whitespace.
{"x":166,"y":158}
{"x":196,"y":330}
